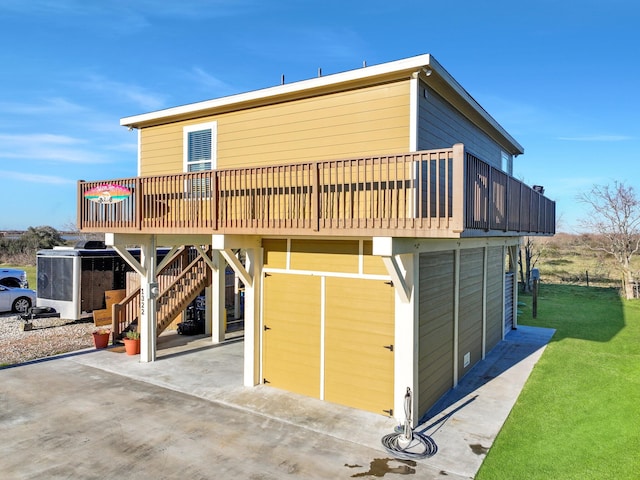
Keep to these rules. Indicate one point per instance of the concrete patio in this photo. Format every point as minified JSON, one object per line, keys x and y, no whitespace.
{"x":103,"y":414}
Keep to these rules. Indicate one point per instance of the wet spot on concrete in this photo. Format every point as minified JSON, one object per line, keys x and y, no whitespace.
{"x":479,"y":449}
{"x":379,"y":467}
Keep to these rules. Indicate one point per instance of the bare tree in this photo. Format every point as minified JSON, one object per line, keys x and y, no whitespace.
{"x":615,"y":221}
{"x":528,"y":257}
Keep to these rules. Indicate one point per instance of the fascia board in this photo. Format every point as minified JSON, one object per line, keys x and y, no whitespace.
{"x":407,"y":64}
{"x":410,"y":65}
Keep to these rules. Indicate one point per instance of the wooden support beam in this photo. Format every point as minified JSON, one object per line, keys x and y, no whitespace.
{"x":399,"y":277}
{"x":233,"y":261}
{"x":133,"y":263}
{"x":206,"y":258}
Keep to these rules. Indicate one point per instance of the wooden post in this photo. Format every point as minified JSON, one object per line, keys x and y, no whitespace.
{"x":315,"y":196}
{"x":535,"y":298}
{"x":535,"y":275}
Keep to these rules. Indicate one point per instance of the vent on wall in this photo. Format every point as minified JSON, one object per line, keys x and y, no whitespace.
{"x":467,"y":359}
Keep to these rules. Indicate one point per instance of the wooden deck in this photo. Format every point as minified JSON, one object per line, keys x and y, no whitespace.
{"x":445,"y":193}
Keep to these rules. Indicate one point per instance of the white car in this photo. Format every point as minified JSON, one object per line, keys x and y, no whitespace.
{"x":16,"y":299}
{"x":12,"y":277}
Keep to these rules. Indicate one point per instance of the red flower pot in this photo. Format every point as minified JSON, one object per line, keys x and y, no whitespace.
{"x":101,"y":340}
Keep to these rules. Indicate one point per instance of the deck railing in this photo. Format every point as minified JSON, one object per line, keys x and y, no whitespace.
{"x":434,"y":193}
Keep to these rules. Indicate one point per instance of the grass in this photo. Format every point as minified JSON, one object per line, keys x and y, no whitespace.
{"x":578,"y":416}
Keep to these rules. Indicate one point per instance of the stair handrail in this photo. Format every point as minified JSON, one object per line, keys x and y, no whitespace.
{"x":127,"y":311}
{"x":162,"y":321}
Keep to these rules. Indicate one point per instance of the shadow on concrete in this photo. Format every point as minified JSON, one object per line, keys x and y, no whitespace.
{"x":48,"y":359}
{"x":517,"y":346}
{"x":173,"y":346}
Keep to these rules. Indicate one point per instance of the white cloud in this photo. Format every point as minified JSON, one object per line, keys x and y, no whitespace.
{"x":133,"y":13}
{"x":55,"y":105}
{"x":35,"y":178}
{"x":129,"y":93}
{"x":123,"y":147}
{"x":322,"y":44}
{"x":48,"y":147}
{"x":207,"y":79}
{"x":41,"y":138}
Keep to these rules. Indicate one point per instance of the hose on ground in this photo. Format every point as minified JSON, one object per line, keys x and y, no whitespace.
{"x":409,"y":445}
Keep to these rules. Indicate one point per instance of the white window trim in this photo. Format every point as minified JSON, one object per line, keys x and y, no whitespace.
{"x":213,"y":126}
{"x":506,"y":162}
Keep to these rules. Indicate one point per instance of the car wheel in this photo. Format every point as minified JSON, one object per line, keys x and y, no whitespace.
{"x":21,"y":305}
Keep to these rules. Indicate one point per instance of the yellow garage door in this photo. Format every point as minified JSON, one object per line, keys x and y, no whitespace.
{"x":291,"y":336}
{"x":359,"y":333}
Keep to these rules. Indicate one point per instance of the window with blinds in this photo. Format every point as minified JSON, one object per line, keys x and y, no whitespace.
{"x":199,"y":150}
{"x":199,"y":156}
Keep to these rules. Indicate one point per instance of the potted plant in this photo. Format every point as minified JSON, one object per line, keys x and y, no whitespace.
{"x":132,"y":342}
{"x":101,"y":337}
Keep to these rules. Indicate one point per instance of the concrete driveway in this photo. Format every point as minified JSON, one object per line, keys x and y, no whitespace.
{"x":102,"y":414}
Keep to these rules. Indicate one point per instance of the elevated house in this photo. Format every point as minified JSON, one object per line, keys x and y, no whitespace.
{"x":378,"y":219}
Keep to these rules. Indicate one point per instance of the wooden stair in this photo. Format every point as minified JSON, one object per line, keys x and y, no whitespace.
{"x":184,"y":290}
{"x":175,"y":296}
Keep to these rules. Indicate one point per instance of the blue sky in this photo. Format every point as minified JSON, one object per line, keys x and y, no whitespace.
{"x":560,"y":75}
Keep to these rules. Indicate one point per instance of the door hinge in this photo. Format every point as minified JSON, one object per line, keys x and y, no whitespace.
{"x":266,"y":328}
{"x":264,"y":380}
{"x":389,"y":412}
{"x":266,"y":274}
{"x":390,"y":283}
{"x":389,"y":347}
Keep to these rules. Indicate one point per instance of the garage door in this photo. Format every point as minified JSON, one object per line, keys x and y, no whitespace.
{"x":357,"y":366}
{"x":359,"y":332}
{"x":291,"y":337}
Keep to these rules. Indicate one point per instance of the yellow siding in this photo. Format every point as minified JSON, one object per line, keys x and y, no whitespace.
{"x":292,"y":341}
{"x":275,"y":253}
{"x":372,"y":265}
{"x":359,"y":323}
{"x":161,"y":150}
{"x":366,"y":121}
{"x":325,"y":256}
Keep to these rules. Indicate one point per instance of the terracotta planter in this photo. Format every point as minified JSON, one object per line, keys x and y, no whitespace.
{"x":131,"y":346}
{"x":101,"y":340}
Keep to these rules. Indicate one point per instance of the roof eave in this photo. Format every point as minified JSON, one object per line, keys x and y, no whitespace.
{"x":374,"y":73}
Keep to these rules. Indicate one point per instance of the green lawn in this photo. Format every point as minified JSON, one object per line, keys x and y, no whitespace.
{"x":578,"y":416}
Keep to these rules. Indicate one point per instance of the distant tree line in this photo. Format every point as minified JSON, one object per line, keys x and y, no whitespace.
{"x":22,"y":250}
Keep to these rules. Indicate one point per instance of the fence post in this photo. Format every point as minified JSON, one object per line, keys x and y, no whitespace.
{"x":214,"y":200}
{"x":115,"y":322}
{"x":315,"y":196}
{"x":81,"y":206}
{"x":459,"y":194}
{"x":139,"y":200}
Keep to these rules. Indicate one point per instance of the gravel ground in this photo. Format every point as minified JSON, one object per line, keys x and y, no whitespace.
{"x":50,"y":336}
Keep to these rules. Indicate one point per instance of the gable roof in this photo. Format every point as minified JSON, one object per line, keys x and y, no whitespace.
{"x":426,"y":66}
